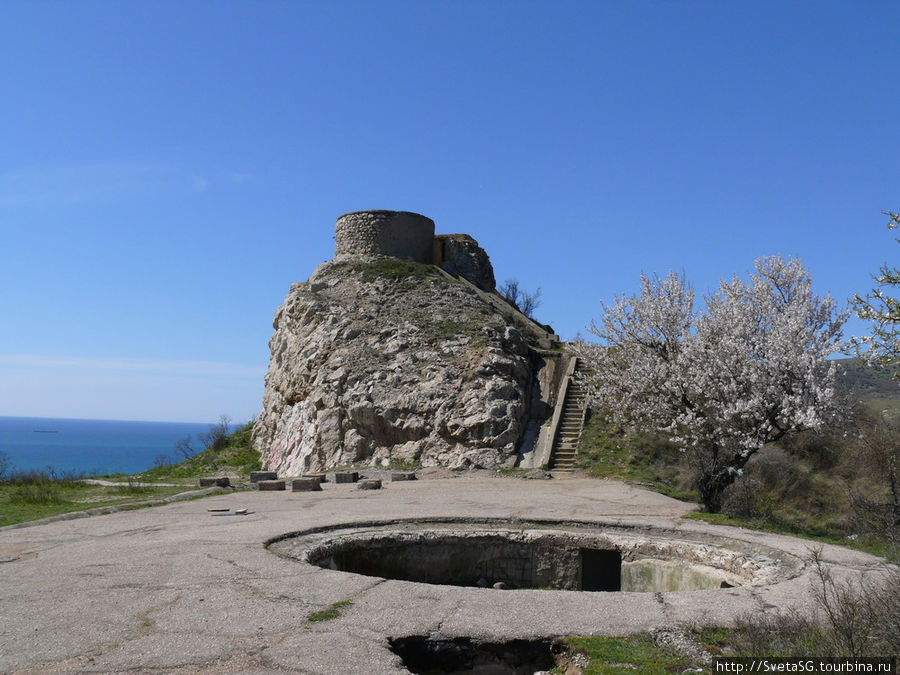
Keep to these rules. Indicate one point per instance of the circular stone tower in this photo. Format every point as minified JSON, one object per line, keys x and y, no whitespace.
{"x":400,"y":234}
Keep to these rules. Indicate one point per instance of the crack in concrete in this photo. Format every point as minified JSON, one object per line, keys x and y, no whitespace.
{"x":665,"y":607}
{"x":447,"y":617}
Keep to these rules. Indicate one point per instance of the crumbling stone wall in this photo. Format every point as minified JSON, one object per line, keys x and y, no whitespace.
{"x":399,"y":234}
{"x":461,"y":255}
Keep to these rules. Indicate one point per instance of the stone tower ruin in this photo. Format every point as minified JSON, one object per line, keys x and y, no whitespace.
{"x":410,"y":236}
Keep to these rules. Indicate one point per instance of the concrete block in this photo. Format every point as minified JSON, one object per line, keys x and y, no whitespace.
{"x":306,"y":484}
{"x":369,"y":484}
{"x":215,"y":481}
{"x":256,"y":476}
{"x":346,"y":476}
{"x":320,"y":476}
{"x":403,"y":475}
{"x":271,"y":485}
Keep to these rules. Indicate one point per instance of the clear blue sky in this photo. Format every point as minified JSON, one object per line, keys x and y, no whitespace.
{"x":168,"y":169}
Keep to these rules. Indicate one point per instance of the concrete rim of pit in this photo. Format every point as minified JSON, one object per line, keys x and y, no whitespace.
{"x":775,"y":565}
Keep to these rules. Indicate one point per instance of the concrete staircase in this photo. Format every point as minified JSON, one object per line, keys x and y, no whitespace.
{"x":568,"y":433}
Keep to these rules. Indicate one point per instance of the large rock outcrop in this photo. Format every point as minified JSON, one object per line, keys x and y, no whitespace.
{"x":378,"y":360}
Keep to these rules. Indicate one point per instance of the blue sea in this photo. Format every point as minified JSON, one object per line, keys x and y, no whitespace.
{"x":91,"y":446}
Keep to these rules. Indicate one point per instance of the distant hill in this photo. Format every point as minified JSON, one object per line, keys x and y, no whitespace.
{"x":867,"y":382}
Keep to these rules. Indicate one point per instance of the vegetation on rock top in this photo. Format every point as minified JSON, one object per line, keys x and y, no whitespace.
{"x":391,"y":268}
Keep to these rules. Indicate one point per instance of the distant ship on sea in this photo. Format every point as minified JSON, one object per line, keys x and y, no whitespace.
{"x":90,"y":446}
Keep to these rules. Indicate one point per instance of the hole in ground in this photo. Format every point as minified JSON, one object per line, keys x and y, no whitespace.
{"x":558,"y":555}
{"x":510,"y":560}
{"x":430,"y":655}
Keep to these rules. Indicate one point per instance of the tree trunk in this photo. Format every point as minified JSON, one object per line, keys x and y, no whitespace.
{"x":711,"y":487}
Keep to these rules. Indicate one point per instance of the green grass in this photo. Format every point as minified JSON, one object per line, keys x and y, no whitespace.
{"x":402,"y":465}
{"x":19,"y":504}
{"x":332,"y":612}
{"x":134,"y":489}
{"x":395,"y":269}
{"x":631,"y":654}
{"x":602,"y":451}
{"x":43,"y":492}
{"x":867,"y":543}
{"x":606,"y":451}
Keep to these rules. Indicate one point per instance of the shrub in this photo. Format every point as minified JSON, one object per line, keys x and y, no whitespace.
{"x":217,"y":437}
{"x":852,"y":619}
{"x":36,"y":493}
{"x":874,"y":492}
{"x":524,"y":301}
{"x":776,"y":634}
{"x":861,"y":619}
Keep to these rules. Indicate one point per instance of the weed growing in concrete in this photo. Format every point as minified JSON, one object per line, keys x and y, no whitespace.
{"x":633,"y":653}
{"x":332,"y":612}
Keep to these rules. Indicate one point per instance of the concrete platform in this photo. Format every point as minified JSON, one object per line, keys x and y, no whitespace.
{"x":173,"y":589}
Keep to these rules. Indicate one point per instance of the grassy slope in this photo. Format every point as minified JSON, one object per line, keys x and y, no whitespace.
{"x":235,"y":456}
{"x":23,"y":502}
{"x":801,"y":493}
{"x":799,"y":487}
{"x":605,"y":451}
{"x":877,"y":388}
{"x":869,"y":382}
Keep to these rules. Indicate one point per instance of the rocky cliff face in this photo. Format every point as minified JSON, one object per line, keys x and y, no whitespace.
{"x":380,"y":360}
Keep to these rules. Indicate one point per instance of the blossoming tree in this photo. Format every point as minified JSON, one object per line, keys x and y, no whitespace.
{"x":883,"y":346}
{"x":748,"y":369}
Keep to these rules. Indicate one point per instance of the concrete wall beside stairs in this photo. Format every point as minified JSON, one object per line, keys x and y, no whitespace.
{"x":541,"y":454}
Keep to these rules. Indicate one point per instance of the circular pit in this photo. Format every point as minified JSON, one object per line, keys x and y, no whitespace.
{"x":573,"y":556}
